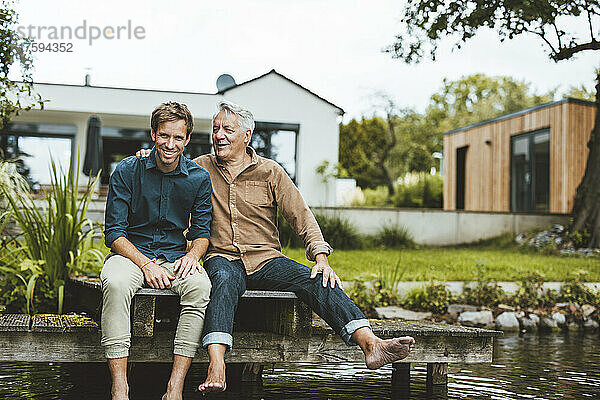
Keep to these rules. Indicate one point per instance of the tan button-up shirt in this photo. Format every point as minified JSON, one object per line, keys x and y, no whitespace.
{"x":244,"y":224}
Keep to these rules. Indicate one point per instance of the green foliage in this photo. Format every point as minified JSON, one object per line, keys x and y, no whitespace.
{"x":427,"y":23}
{"x":339,"y":232}
{"x":433,"y":297}
{"x":393,"y":237}
{"x":14,"y":96}
{"x":378,"y":197}
{"x":382,"y":294}
{"x":485,"y":292}
{"x":56,"y":236}
{"x":477,"y":98}
{"x":287,"y":237}
{"x":581,"y":93}
{"x":361,"y":143}
{"x":574,"y":291}
{"x":420,"y":190}
{"x":531,"y":293}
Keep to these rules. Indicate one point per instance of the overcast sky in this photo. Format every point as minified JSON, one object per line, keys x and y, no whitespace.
{"x":331,"y":47}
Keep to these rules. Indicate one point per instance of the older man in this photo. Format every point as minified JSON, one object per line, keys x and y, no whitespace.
{"x":245,"y":249}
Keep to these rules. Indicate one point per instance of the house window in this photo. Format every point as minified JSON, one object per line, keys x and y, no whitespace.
{"x":35,"y":145}
{"x":277,"y":142}
{"x":119,"y":143}
{"x":530,"y":172}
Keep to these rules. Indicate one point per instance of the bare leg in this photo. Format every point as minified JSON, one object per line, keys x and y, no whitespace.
{"x":379,"y":352}
{"x":118,"y":373}
{"x":215,"y":379}
{"x":181,"y":365}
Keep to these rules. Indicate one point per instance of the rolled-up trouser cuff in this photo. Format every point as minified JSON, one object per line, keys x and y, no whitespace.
{"x":218,"y":338}
{"x":350,"y":328}
{"x":116,"y":351}
{"x":185,"y":351}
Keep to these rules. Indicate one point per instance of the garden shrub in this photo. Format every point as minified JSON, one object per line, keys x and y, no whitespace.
{"x":485,"y":292}
{"x":531,"y":293}
{"x":393,"y":237}
{"x":433,"y":297}
{"x":339,"y":232}
{"x":424,"y":191}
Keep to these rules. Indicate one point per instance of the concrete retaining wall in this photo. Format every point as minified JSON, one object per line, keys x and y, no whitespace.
{"x":438,"y":227}
{"x":427,"y":226}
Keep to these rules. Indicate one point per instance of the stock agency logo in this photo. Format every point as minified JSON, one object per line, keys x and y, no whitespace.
{"x":50,"y":37}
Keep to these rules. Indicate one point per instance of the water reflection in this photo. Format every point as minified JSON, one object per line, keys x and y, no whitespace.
{"x":525,"y":367}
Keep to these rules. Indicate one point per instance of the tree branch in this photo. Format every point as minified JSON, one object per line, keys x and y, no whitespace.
{"x":568,"y":52}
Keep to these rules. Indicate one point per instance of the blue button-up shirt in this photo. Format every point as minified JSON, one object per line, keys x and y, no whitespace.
{"x":152,"y":209}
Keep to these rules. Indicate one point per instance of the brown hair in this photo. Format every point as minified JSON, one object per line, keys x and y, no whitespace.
{"x":172,"y":111}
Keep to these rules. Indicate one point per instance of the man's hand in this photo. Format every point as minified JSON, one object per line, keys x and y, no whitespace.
{"x":143,"y":153}
{"x":186,"y":265}
{"x":156,"y":276}
{"x":329,"y":276}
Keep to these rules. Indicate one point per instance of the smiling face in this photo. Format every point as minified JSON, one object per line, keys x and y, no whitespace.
{"x":229,"y":139}
{"x":170,"y":140}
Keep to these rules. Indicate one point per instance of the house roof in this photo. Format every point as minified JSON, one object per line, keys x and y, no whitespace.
{"x":200,"y":93}
{"x":341,"y":110}
{"x":522,"y":112}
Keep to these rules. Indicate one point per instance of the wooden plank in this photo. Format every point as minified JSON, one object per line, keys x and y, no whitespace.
{"x":77,"y":323}
{"x":249,"y":347}
{"x":94,"y":283}
{"x":14,"y":322}
{"x":47,"y":323}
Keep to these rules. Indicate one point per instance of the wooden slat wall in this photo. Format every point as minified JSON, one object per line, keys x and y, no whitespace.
{"x":488,"y":166}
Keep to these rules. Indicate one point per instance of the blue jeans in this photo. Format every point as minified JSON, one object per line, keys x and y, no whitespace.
{"x":229,"y":281}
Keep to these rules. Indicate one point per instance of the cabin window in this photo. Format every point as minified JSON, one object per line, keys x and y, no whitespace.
{"x":277,"y":142}
{"x":530,"y":172}
{"x":34,"y":145}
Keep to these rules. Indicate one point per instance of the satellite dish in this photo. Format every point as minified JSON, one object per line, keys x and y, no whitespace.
{"x":225,"y":82}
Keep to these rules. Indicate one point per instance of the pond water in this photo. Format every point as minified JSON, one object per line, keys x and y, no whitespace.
{"x":525,"y":367}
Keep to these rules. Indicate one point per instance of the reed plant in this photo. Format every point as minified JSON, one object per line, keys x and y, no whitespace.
{"x":57,"y":234}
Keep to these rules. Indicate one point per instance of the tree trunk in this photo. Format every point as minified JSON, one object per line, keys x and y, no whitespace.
{"x":586,"y":209}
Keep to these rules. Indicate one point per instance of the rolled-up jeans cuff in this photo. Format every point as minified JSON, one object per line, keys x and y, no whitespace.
{"x":350,"y":328}
{"x":218,"y":338}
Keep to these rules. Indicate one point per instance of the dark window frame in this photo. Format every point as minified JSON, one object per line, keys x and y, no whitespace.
{"x":531,"y":201}
{"x":15,"y":129}
{"x":271,"y":127}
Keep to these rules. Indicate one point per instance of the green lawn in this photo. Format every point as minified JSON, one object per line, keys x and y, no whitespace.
{"x":455,"y":264}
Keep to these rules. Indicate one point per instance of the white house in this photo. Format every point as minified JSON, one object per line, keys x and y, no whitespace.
{"x":294,"y":126}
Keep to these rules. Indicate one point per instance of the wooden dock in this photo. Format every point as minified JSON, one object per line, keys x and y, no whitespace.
{"x":270,"y":327}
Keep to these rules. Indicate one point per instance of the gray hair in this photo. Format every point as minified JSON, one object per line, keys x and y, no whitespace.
{"x":245,"y":117}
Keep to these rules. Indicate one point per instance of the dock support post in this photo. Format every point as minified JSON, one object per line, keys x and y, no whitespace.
{"x":245,"y":372}
{"x":144,"y":308}
{"x":437,"y":380}
{"x":401,"y":380}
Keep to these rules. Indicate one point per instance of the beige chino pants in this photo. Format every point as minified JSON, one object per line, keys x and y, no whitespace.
{"x":121,"y":278}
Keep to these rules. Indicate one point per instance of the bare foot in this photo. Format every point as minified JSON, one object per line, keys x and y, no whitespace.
{"x":173,"y":395}
{"x":215,"y":379}
{"x":388,"y":351}
{"x":120,"y":391}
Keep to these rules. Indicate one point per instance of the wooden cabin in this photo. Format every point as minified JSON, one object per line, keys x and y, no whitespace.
{"x":528,"y":161}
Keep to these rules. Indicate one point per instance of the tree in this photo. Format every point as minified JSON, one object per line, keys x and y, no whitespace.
{"x":427,"y":22}
{"x":580,"y":92}
{"x":14,"y":50}
{"x":360,"y":144}
{"x":477,"y":98}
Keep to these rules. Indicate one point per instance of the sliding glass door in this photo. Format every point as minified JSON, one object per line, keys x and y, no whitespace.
{"x":530,"y":172}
